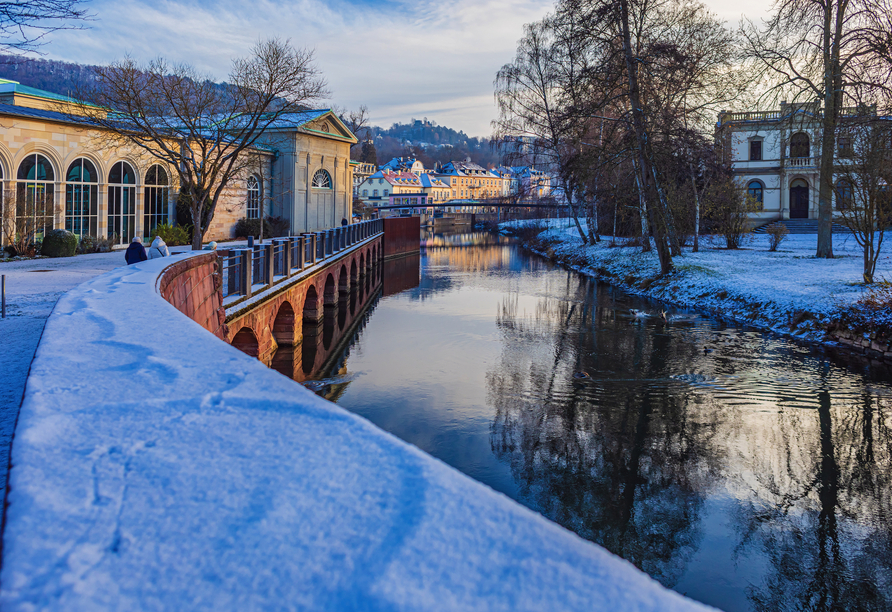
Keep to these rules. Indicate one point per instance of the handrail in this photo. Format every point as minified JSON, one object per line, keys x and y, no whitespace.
{"x":245,"y":271}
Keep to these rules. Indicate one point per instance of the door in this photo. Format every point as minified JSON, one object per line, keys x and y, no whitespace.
{"x":799,"y":202}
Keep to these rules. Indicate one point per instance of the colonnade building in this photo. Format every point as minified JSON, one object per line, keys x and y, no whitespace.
{"x":60,"y":172}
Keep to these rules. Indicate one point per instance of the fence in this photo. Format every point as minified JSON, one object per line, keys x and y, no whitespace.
{"x":246,"y":271}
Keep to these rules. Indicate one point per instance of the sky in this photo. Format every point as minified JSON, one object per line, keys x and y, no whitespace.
{"x":425,"y":58}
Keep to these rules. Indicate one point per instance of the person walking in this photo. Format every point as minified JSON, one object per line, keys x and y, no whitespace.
{"x":158,"y":249}
{"x":136,"y":252}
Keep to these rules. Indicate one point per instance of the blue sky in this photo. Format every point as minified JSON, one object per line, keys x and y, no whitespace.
{"x":401,"y":59}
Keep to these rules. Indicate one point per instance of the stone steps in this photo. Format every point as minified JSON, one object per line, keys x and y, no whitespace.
{"x":800,"y":226}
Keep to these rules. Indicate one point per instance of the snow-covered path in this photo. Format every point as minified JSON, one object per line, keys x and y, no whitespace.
{"x":33,"y":287}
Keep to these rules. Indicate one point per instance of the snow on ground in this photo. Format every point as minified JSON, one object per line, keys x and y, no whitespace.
{"x":32,"y":288}
{"x":158,"y":468}
{"x":789,"y":291}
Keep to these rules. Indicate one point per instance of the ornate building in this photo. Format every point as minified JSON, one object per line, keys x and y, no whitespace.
{"x":59,"y":172}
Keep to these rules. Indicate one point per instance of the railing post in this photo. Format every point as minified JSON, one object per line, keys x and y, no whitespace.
{"x":270,"y":262}
{"x":286,"y":255}
{"x":301,"y":252}
{"x":247,"y":271}
{"x":320,"y":245}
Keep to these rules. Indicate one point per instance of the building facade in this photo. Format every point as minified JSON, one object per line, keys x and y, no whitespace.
{"x":776,"y":156}
{"x":58,"y":172}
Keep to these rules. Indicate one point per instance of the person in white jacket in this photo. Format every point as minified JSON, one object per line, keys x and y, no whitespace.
{"x":158,"y":248}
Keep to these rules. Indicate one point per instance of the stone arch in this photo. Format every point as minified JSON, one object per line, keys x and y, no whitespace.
{"x":138,"y":171}
{"x":246,"y":341}
{"x":354,"y":274}
{"x":283,"y":325}
{"x":98,"y":163}
{"x":48,"y":152}
{"x":6,"y":164}
{"x":343,"y":281}
{"x":362,"y":263}
{"x":330,"y":293}
{"x":311,"y":305}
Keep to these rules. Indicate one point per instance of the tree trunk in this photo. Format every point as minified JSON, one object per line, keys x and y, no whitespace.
{"x":696,"y":211}
{"x":657,"y":218}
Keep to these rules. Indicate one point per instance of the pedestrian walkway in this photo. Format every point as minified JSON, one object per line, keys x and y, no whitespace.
{"x":33,"y":287}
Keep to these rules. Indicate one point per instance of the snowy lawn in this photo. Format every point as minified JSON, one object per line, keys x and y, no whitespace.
{"x":789,"y":291}
{"x":156,"y":467}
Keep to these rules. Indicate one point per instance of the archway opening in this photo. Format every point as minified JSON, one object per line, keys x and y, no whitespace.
{"x":246,"y":342}
{"x":311,"y":306}
{"x":343,"y":282}
{"x":283,"y":325}
{"x":354,"y":274}
{"x":799,"y":199}
{"x":329,"y":294}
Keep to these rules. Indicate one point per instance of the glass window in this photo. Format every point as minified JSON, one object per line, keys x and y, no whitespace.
{"x":121,"y":203}
{"x":253,"y":202}
{"x":322,"y":180}
{"x":755,"y":150}
{"x":755,"y":191}
{"x":155,"y":211}
{"x":81,"y":198}
{"x":844,"y":195}
{"x":34,"y":197}
{"x":386,"y":191}
{"x":365,"y":192}
{"x":844,"y":144}
{"x":799,"y":146}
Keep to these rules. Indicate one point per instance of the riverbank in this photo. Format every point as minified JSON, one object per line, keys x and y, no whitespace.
{"x":789,"y":291}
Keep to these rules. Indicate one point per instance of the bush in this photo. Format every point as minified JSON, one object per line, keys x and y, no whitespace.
{"x":273,"y":227}
{"x":247,"y":227}
{"x":726,"y":208}
{"x":87,"y":244}
{"x":276,"y":227}
{"x":871,"y":313}
{"x":59,"y":243}
{"x":776,"y":234}
{"x":172,"y":235}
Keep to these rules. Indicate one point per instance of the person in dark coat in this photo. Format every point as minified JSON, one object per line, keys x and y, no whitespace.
{"x":136,"y":252}
{"x":343,"y":222}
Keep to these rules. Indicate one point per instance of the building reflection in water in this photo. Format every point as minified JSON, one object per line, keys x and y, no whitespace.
{"x":319,"y":361}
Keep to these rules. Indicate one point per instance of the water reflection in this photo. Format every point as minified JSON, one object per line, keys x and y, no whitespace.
{"x":739,"y":468}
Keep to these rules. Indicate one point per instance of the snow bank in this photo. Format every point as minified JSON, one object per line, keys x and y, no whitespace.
{"x":789,"y":291}
{"x":157,"y":468}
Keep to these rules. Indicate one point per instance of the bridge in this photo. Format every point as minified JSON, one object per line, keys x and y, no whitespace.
{"x":273,"y":295}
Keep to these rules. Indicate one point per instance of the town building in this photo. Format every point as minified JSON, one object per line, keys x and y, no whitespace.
{"x":776,"y":156}
{"x":361,"y":171}
{"x":469,"y":181}
{"x":59,"y":171}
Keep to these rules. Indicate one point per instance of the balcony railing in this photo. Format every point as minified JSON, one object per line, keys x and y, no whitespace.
{"x":802,"y":162}
{"x":247,"y":271}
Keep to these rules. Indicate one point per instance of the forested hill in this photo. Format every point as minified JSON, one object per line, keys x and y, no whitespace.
{"x":50,"y":75}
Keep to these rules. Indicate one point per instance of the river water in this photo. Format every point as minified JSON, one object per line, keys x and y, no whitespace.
{"x":734,"y":466}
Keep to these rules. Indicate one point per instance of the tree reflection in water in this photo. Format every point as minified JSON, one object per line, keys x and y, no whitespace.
{"x":628,"y":457}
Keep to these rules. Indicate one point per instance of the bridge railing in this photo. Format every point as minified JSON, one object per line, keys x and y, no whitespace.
{"x":245,"y":271}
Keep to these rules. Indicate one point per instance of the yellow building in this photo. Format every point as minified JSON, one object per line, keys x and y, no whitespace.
{"x":58,"y":172}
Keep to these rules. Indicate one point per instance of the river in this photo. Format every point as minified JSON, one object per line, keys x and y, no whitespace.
{"x":737,"y":467}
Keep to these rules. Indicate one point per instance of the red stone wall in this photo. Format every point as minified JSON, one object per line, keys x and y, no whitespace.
{"x":193,"y":287}
{"x":402,"y":235}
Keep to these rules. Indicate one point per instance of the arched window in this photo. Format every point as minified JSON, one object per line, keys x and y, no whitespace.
{"x":155,"y":211}
{"x":253,"y":209}
{"x":799,"y":145}
{"x":34,"y":196}
{"x":121,"y":203}
{"x":82,"y":198}
{"x":322,"y":180}
{"x":844,"y":194}
{"x":756,"y":191}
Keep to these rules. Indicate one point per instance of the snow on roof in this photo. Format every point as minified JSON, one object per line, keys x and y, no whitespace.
{"x":157,"y":467}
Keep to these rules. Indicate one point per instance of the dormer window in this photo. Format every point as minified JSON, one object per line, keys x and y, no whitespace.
{"x":756,"y":149}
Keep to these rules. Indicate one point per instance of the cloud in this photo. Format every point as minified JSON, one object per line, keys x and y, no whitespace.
{"x":401,"y":59}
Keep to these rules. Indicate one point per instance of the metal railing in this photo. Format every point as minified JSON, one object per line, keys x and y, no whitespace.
{"x":245,"y":271}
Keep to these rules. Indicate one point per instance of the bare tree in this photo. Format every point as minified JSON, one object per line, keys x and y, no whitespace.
{"x":25,"y":23}
{"x":201,"y":129}
{"x":863,"y":179}
{"x":355,"y":120}
{"x":820,"y":50}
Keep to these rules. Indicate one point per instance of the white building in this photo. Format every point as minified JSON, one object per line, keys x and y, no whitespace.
{"x":776,"y":154}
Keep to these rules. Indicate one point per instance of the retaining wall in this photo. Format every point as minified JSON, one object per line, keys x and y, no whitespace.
{"x":402,"y":235}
